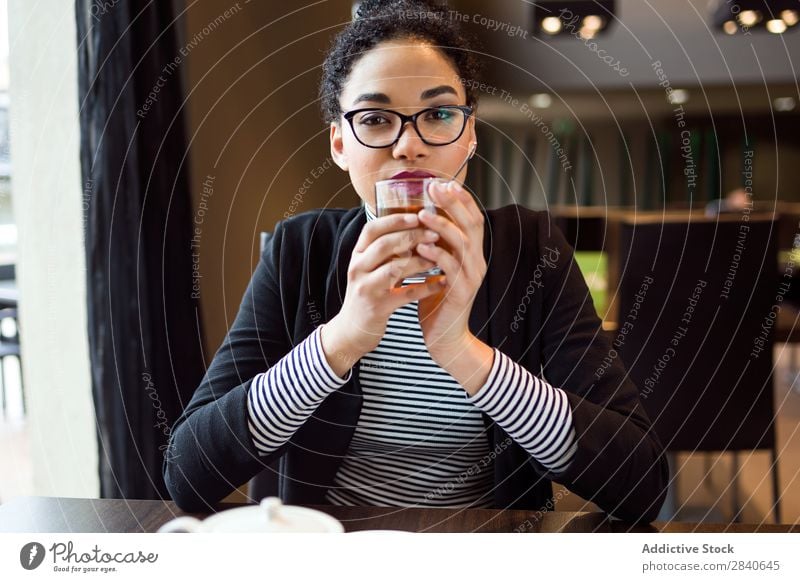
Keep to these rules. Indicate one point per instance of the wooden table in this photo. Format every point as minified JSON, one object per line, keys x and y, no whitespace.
{"x":62,"y":515}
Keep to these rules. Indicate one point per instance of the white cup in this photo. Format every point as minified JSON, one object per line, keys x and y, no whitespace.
{"x":270,"y":516}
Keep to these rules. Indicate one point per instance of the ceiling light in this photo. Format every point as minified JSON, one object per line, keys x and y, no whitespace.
{"x":775,"y":16}
{"x":587,"y":18}
{"x":551,"y":24}
{"x":749,"y":17}
{"x":776,"y":26}
{"x":789,"y":17}
{"x":730,"y":27}
{"x":784,"y":104}
{"x":679,"y":96}
{"x":594,"y":22}
{"x":540,"y":100}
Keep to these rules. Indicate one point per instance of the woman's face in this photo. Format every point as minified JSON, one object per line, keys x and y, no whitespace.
{"x":404,"y":76}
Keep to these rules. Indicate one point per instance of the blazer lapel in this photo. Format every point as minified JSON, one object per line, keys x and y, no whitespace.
{"x":479,"y":317}
{"x":336,"y":286}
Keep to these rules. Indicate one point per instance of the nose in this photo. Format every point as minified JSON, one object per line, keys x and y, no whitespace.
{"x":410,"y":145}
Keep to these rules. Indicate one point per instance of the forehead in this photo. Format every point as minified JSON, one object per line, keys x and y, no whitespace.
{"x":402,"y":70}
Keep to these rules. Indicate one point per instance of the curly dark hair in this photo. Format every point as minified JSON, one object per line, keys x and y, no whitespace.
{"x":382,"y":20}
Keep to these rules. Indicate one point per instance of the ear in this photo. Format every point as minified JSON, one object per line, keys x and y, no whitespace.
{"x":337,"y":146}
{"x":473,"y":137}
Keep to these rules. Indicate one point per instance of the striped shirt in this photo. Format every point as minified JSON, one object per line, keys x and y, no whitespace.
{"x":418,"y":441}
{"x":420,"y":438}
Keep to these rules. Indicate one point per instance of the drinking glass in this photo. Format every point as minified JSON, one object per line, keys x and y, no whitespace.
{"x":410,"y":195}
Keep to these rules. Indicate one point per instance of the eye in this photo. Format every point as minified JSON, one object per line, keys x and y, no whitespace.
{"x":373,"y":118}
{"x":440,"y":114}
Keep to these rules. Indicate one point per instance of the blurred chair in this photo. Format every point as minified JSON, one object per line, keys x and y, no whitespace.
{"x":787,"y":329}
{"x":9,"y":343}
{"x":9,"y":347}
{"x":266,"y":483}
{"x":584,"y":227}
{"x":696,"y":304}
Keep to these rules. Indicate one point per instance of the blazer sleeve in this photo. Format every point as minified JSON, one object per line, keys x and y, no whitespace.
{"x":619,"y":463}
{"x":211,"y":450}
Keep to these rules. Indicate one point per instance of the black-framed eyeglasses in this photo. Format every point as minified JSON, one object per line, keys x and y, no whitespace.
{"x":382,"y":128}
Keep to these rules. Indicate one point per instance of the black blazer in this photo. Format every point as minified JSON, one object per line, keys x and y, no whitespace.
{"x":533,"y":305}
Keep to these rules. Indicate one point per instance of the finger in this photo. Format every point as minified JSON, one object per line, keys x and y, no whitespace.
{"x":380,"y":281}
{"x":400,"y":296}
{"x":383,"y":225}
{"x":450,"y":197}
{"x":456,"y":191}
{"x":394,"y":244}
{"x":450,"y":264}
{"x":448,"y":231}
{"x":469,"y":202}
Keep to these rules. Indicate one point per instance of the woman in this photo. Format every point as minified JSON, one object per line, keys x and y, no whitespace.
{"x":415,"y":393}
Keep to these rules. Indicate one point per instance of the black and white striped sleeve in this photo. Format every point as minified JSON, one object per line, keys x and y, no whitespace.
{"x":533,"y":413}
{"x":281,"y":399}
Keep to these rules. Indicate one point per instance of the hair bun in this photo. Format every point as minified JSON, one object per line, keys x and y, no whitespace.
{"x":378,"y":8}
{"x":427,"y":22}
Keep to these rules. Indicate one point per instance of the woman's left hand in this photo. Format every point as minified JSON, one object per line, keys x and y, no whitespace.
{"x":444,"y":317}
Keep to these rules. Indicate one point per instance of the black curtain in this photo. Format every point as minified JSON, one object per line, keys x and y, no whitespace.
{"x":144,"y":325}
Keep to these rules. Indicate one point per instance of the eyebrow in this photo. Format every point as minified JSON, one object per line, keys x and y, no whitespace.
{"x":375,"y":97}
{"x":427,"y":94}
{"x":436,"y":91}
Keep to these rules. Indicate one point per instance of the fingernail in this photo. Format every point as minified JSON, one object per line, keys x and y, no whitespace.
{"x":410,"y":218}
{"x":431,"y":235}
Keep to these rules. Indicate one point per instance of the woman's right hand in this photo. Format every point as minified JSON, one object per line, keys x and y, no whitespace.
{"x":381,"y":259}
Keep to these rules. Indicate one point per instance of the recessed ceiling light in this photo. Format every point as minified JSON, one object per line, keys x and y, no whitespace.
{"x":540,"y":100}
{"x":730,"y":27}
{"x":679,"y":96}
{"x":749,"y":17}
{"x":789,"y":17}
{"x":587,"y":32}
{"x":776,"y":26}
{"x":784,"y":104}
{"x":593,"y":22}
{"x":551,"y":24}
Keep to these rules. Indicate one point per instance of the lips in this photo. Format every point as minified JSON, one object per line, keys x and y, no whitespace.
{"x":415,"y":174}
